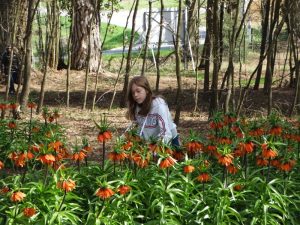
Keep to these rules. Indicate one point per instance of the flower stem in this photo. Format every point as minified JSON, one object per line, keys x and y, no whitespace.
{"x":268,"y":173}
{"x":46,"y":175}
{"x":167,"y":180}
{"x":62,"y":201}
{"x":103,"y":154}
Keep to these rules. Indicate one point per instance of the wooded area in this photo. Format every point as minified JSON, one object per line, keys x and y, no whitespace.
{"x":274,"y":32}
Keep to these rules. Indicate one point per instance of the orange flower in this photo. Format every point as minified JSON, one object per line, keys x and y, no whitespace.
{"x":123,"y":189}
{"x":31,"y":105}
{"x":167,"y":162}
{"x":276,"y":131}
{"x":2,"y":106}
{"x":211,"y":148}
{"x":29,"y":212}
{"x":269,"y":153}
{"x":225,"y":160}
{"x":12,"y":125}
{"x":287,"y":166}
{"x":248,"y":147}
{"x":104,"y":193}
{"x":78,"y":156}
{"x":35,"y":129}
{"x":275,"y":163}
{"x":194,"y":146}
{"x":104,"y":136}
{"x":225,"y":141}
{"x":215,"y":125}
{"x":238,"y":187}
{"x":256,"y":132}
{"x":115,"y":156}
{"x":188,"y":169}
{"x":17,"y":196}
{"x":66,"y":185}
{"x":1,"y":165}
{"x":4,"y":190}
{"x":232,"y":169}
{"x":203,"y":177}
{"x":178,"y":155}
{"x":47,"y":158}
{"x":261,"y":161}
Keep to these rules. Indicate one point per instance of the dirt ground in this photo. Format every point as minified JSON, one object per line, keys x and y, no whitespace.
{"x":79,"y":123}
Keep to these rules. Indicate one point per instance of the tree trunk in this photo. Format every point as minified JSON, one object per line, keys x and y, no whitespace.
{"x":216,"y":45}
{"x":32,"y":8}
{"x":271,"y":53}
{"x":147,"y":38}
{"x":84,"y":20}
{"x":264,"y":38}
{"x":49,"y":44}
{"x":54,"y":51}
{"x":128,"y":62}
{"x":123,"y":55}
{"x":178,"y":61}
{"x":162,"y":7}
{"x":205,"y":60}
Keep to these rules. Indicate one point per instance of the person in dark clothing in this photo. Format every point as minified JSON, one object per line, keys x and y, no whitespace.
{"x":14,"y":67}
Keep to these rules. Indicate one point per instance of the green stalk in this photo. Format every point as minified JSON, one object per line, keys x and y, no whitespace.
{"x":103,"y":154}
{"x":167,"y":180}
{"x":46,"y":175}
{"x":62,"y":201}
{"x":268,"y":173}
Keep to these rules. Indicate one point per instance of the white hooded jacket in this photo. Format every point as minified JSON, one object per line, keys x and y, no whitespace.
{"x":158,"y":123}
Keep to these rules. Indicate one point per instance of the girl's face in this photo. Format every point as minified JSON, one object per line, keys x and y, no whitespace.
{"x":139,"y":93}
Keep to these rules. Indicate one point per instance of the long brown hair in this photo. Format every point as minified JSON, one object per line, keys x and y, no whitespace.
{"x":140,"y":81}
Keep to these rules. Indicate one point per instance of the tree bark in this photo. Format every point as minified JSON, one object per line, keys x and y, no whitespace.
{"x":32,"y":8}
{"x":178,"y":61}
{"x":49,"y":45}
{"x":84,"y":20}
{"x":264,"y":38}
{"x":214,"y":104}
{"x":162,"y":7}
{"x":147,"y":38}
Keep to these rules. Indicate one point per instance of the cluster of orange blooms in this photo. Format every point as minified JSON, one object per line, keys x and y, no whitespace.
{"x":29,"y":212}
{"x":10,"y":106}
{"x":66,"y":185}
{"x":20,"y":158}
{"x":106,"y":192}
{"x":104,"y":136}
{"x":17,"y":196}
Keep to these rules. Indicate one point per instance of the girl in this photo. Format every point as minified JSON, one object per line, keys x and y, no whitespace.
{"x":151,"y":113}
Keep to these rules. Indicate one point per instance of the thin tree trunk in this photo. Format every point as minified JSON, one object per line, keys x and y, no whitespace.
{"x":48,"y":49}
{"x":207,"y":45}
{"x":161,"y":27}
{"x":264,"y":38}
{"x":128,"y":62}
{"x":147,"y":38}
{"x":98,"y":18}
{"x":214,"y":104}
{"x":123,"y":55}
{"x":69,"y":55}
{"x":178,"y":61}
{"x":197,"y":55}
{"x":271,"y":53}
{"x":32,"y":8}
{"x":87,"y":70}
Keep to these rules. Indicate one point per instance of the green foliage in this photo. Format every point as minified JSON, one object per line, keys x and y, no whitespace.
{"x":254,"y":194}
